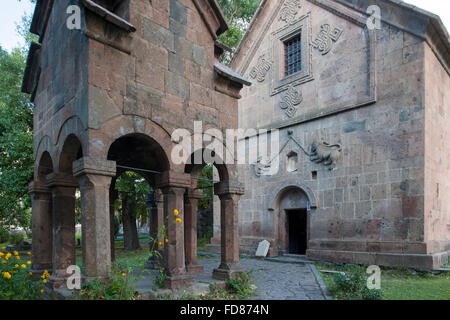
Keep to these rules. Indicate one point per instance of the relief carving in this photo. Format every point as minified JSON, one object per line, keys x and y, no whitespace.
{"x":326,"y":37}
{"x":262,"y":167}
{"x":323,"y":152}
{"x":261,"y":69}
{"x":290,"y":100}
{"x":290,"y":10}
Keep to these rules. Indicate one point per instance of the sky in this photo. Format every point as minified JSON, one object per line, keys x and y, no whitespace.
{"x":13,"y":10}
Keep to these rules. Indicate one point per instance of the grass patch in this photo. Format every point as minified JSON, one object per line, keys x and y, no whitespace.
{"x":399,"y":284}
{"x":133,"y":260}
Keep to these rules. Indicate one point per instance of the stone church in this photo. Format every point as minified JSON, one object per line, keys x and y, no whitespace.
{"x":361,"y":109}
{"x":363,"y":113}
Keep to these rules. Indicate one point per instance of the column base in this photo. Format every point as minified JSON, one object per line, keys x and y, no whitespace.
{"x":38,"y":270}
{"x":194,"y":268}
{"x":226,"y":274}
{"x":58,"y":281}
{"x":180,"y":281}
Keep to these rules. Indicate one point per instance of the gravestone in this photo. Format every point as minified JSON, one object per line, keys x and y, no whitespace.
{"x":263,"y":249}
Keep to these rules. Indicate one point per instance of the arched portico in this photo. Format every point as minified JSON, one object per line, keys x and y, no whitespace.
{"x":229,"y":192}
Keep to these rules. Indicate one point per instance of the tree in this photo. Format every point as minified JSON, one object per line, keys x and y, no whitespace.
{"x":16,"y":134}
{"x":16,"y":141}
{"x":132,"y":190}
{"x":239,"y":14}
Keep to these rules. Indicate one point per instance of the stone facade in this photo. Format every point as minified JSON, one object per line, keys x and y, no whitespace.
{"x":108,"y":96}
{"x":380,"y":96}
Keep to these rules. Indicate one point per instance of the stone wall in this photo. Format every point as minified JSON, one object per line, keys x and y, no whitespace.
{"x":368,"y":95}
{"x":437,"y":160}
{"x":61,"y":97}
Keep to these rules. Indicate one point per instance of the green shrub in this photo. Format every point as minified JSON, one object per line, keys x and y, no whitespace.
{"x":4,"y":235}
{"x":161,"y":278}
{"x":353,"y":286}
{"x":16,"y":238}
{"x":16,"y":282}
{"x":120,"y":285}
{"x":241,"y":286}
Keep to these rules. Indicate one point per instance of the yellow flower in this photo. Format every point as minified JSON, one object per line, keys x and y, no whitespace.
{"x":31,"y":273}
{"x":29,"y":253}
{"x":167,"y":240}
{"x":3,"y":248}
{"x":23,"y":266}
{"x":16,"y":253}
{"x":178,"y":220}
{"x":1,"y":254}
{"x":42,"y":290}
{"x":44,"y":281}
{"x":124,"y":274}
{"x":16,"y":265}
{"x":7,"y":275}
{"x":18,"y":257}
{"x":28,"y":262}
{"x":175,"y":212}
{"x":4,"y":261}
{"x":8,"y":255}
{"x":160,"y":243}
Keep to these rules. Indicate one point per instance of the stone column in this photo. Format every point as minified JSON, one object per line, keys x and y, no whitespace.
{"x":113,"y":194}
{"x":229,"y":193}
{"x":173,"y":185}
{"x":190,"y":230}
{"x":41,"y":198}
{"x":94,"y":177}
{"x":63,"y":187}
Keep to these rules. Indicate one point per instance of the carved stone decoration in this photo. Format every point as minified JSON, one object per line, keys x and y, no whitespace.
{"x":325,"y":153}
{"x":289,"y":10}
{"x":290,"y":100}
{"x":262,"y":167}
{"x":324,"y":40}
{"x":261,"y":69}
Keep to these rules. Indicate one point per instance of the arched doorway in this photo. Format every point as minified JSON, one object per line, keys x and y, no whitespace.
{"x":292,"y":204}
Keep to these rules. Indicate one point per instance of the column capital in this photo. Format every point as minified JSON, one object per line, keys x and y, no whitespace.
{"x":88,"y":165}
{"x":38,"y":187}
{"x":57,"y":179}
{"x":173,"y":179}
{"x":229,"y":187}
{"x":194,"y":193}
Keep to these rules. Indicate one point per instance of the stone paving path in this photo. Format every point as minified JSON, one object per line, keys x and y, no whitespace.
{"x":275,"y":281}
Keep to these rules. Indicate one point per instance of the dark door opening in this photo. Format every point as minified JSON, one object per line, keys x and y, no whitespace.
{"x":297,"y":231}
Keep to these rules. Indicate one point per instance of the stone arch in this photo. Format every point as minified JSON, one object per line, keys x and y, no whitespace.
{"x":44,"y":146}
{"x":290,"y":184}
{"x":101,"y":140}
{"x":139,"y":151}
{"x":70,"y":151}
{"x":71,"y":126}
{"x":45,"y":166}
{"x":195,"y":168}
